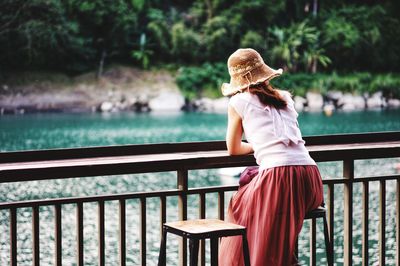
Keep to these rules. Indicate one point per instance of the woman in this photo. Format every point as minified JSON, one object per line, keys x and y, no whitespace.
{"x":271,"y":205}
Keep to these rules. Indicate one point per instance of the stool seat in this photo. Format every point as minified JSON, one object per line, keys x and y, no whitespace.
{"x":200,"y":229}
{"x":204,"y":228}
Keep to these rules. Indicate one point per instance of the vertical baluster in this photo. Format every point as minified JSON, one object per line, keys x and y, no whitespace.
{"x":58,"y":235}
{"x":35,"y":236}
{"x":100,"y":217}
{"x":202,"y":215}
{"x":365,"y":224}
{"x":79,"y":233}
{"x":163,"y":212}
{"x":221,"y":205}
{"x":382,"y":224}
{"x":163,"y":219}
{"x":13,"y":237}
{"x":398,"y":221}
{"x":331,"y":218}
{"x":182,"y":206}
{"x":348,"y":173}
{"x":313,"y":242}
{"x":122,"y":233}
{"x":143,"y":231}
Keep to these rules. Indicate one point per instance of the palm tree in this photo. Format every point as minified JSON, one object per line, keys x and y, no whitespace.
{"x":296,"y":45}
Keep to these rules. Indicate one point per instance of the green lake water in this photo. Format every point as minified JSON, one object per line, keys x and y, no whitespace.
{"x":48,"y":131}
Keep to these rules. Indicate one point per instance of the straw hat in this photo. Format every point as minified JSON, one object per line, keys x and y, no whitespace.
{"x":246,"y":67}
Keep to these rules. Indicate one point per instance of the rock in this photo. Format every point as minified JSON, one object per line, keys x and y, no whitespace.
{"x":167,"y":101}
{"x":393,"y":103}
{"x":334,"y":95}
{"x":376,"y":101}
{"x":219,"y":105}
{"x":299,"y":103}
{"x":315,"y":101}
{"x":350,"y":102}
{"x":328,"y":109}
{"x":106,"y":106}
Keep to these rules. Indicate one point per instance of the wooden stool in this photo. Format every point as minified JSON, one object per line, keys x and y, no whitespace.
{"x":196,"y":230}
{"x":320,"y":212}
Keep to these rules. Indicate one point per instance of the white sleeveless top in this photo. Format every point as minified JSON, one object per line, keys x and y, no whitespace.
{"x":273,"y":133}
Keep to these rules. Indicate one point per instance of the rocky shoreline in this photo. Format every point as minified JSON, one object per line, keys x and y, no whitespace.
{"x":173,"y":101}
{"x":124,"y":89}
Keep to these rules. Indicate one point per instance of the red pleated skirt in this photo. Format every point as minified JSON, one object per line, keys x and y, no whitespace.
{"x":272,"y":207}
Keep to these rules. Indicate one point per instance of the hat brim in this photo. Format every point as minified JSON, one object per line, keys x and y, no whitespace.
{"x":228,"y":89}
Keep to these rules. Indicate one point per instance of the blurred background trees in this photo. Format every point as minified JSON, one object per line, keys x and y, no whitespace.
{"x":306,"y":36}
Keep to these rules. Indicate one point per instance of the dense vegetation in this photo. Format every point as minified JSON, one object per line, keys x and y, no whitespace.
{"x":305,"y":36}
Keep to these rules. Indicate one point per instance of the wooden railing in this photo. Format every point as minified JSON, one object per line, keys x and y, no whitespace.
{"x":182,"y":157}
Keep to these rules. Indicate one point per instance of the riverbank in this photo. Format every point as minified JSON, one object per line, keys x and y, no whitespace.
{"x":129,"y":89}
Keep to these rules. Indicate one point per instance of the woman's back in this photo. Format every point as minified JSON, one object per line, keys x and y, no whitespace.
{"x":273,"y":133}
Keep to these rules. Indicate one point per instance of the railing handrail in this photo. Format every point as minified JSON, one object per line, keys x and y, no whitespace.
{"x":159,"y":148}
{"x":181,"y":158}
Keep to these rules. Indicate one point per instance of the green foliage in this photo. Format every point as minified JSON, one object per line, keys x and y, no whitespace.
{"x":207,"y":79}
{"x":254,"y":40}
{"x":297,"y":47}
{"x":142,"y":54}
{"x":356,"y":83}
{"x":185,"y":43}
{"x":198,"y":81}
{"x":36,"y":33}
{"x":83,"y":34}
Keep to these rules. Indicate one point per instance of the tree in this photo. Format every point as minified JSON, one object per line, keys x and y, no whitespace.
{"x":36,"y":33}
{"x":296,"y":45}
{"x":110,"y":25}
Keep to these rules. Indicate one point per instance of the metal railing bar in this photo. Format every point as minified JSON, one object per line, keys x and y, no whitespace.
{"x":214,"y":189}
{"x":172,"y":192}
{"x":79,"y":233}
{"x":182,"y":185}
{"x":13,"y":237}
{"x":143,"y":240}
{"x":221,"y":205}
{"x":202,"y":205}
{"x":348,"y":172}
{"x":163,"y":219}
{"x":202,"y":215}
{"x":113,"y":197}
{"x":85,"y":152}
{"x":375,"y":178}
{"x":35,"y":236}
{"x":382,"y":222}
{"x":313,"y":242}
{"x":58,"y":235}
{"x":25,"y":171}
{"x":331,"y":217}
{"x":122,"y":232}
{"x":75,"y":200}
{"x":365,"y":223}
{"x":398,"y":222}
{"x":101,"y":225}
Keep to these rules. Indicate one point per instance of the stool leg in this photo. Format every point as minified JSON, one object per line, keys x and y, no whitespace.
{"x":214,"y":251}
{"x":245,"y":245}
{"x":194,"y":251}
{"x":328,"y":243}
{"x":163,"y":246}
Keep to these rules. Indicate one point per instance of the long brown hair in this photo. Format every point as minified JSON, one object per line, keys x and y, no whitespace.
{"x":268,"y":95}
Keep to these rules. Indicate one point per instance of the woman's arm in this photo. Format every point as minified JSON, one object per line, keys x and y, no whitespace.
{"x":234,"y":134}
